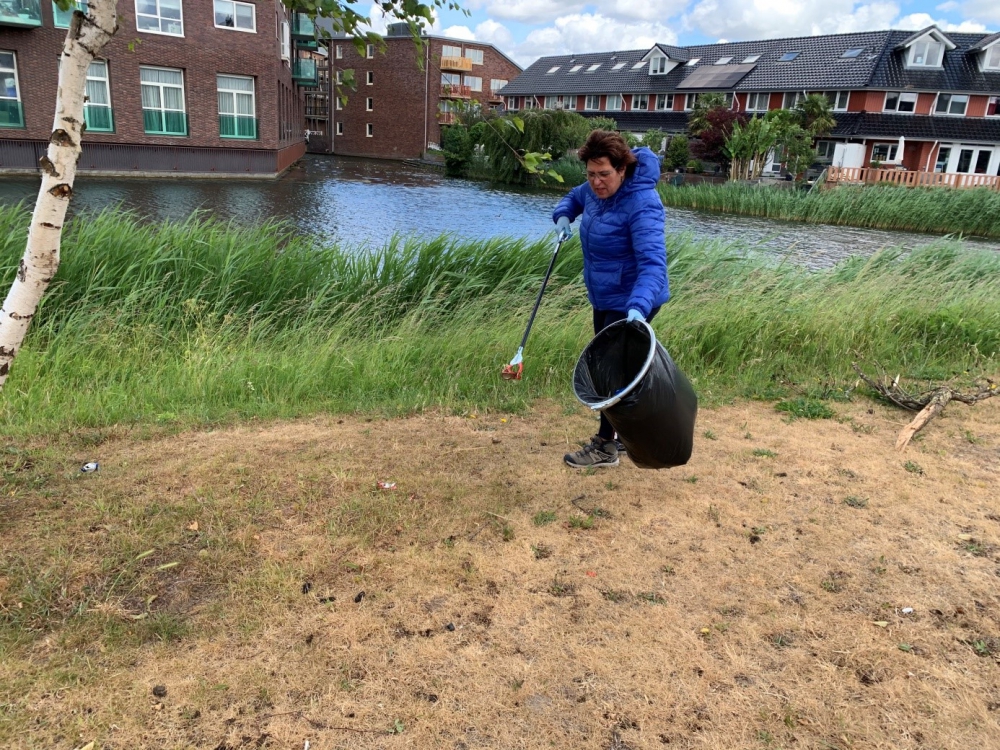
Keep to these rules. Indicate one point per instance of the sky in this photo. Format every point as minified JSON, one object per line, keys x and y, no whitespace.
{"x":528,"y":29}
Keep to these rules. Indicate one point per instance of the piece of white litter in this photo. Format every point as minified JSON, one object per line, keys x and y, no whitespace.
{"x":307,"y":745}
{"x":907,"y":610}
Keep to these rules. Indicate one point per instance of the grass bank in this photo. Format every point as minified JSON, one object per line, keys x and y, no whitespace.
{"x":963,"y":212}
{"x":199,"y":322}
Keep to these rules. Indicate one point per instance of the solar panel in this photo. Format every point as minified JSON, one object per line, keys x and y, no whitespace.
{"x":711,"y":77}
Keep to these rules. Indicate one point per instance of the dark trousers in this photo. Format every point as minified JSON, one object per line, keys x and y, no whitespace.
{"x":602,"y":319}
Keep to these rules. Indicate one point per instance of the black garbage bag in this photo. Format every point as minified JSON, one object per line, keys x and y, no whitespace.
{"x":626,"y":373}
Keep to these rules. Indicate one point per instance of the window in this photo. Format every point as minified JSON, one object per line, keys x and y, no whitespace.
{"x":530,"y":102}
{"x":690,"y":100}
{"x":993,"y":107}
{"x":617,"y":66}
{"x":340,"y":102}
{"x":474,"y":82}
{"x":339,"y":52}
{"x":340,"y":76}
{"x":163,"y":101}
{"x":370,"y":51}
{"x":552,"y":70}
{"x":592,"y":101}
{"x":838,"y":100}
{"x":926,"y":53}
{"x":883,"y":152}
{"x":692,"y":62}
{"x":750,"y":59}
{"x":574,"y":69}
{"x":941,"y":163}
{"x":724,"y":60}
{"x":792,"y":98}
{"x":237,"y":112}
{"x":824,"y":150}
{"x":789,"y":56}
{"x":61,"y":18}
{"x":476,"y":55}
{"x":613,"y":103}
{"x":233,"y":15}
{"x":340,"y":128}
{"x":448,"y":50}
{"x":758,"y":101}
{"x":370,"y":130}
{"x":97,"y":108}
{"x":658,"y":66}
{"x":951,"y":104}
{"x":560,"y":102}
{"x":496,"y":84}
{"x":370,"y":77}
{"x":853,"y":52}
{"x":896,"y":101}
{"x":993,"y":57}
{"x":370,"y":104}
{"x":159,"y":17}
{"x":664,"y":101}
{"x":11,"y":115}
{"x":451,"y":79}
{"x":286,"y":41}
{"x":638,"y":65}
{"x":640,"y":101}
{"x":512,"y":103}
{"x":595,"y":66}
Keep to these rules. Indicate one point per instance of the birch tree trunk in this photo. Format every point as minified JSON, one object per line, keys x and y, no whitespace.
{"x":86,"y":38}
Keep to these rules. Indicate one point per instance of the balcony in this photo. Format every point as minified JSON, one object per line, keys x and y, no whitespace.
{"x":238,"y":126}
{"x":24,"y":14}
{"x":456,"y":63}
{"x":11,"y":114}
{"x":308,"y":44}
{"x":303,"y":26}
{"x":317,"y":106}
{"x":446,"y":118}
{"x":456,"y":92}
{"x":908,"y":178}
{"x":305,"y":72}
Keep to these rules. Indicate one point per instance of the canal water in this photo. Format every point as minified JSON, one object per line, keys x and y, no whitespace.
{"x":363,"y":202}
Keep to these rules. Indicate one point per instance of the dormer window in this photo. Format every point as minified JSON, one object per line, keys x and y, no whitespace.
{"x":926,"y":53}
{"x":724,"y":60}
{"x":993,"y":58}
{"x":658,"y":66}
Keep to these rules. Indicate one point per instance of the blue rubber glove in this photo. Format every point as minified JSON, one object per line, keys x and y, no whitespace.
{"x":634,"y":314}
{"x":562,"y":228}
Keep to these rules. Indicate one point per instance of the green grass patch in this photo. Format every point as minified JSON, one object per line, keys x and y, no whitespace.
{"x":807,"y":408}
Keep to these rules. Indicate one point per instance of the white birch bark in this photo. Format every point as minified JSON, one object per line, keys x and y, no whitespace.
{"x":86,"y":38}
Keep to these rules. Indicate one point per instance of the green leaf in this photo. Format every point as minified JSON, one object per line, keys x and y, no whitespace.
{"x":555,"y":175}
{"x":518,"y":123}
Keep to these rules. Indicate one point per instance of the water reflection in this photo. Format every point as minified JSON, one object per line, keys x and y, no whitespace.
{"x":364,"y":202}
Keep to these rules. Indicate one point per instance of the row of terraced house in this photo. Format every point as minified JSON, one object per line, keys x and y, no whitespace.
{"x":919,"y":102}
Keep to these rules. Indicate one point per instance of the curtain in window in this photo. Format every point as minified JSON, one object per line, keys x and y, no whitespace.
{"x":97,"y":90}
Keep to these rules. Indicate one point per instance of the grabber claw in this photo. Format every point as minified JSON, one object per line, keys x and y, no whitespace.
{"x":512,"y":372}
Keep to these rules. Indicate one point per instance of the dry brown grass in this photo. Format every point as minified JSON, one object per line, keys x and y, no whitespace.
{"x":731,"y":603}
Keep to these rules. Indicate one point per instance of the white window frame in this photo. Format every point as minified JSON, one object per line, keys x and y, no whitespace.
{"x":574,"y":69}
{"x":756,"y":97}
{"x":901,"y":97}
{"x":951,"y":100}
{"x":640,"y":64}
{"x":926,"y":41}
{"x":668,"y":102}
{"x":592,"y":102}
{"x":339,"y":52}
{"x":891,"y":150}
{"x":369,"y":130}
{"x":370,"y":104}
{"x":106,"y":80}
{"x":658,"y":65}
{"x":618,"y":66}
{"x":552,"y":70}
{"x":797,"y":96}
{"x":692,"y":62}
{"x":370,"y":51}
{"x":476,"y":55}
{"x":234,"y":3}
{"x":236,"y":93}
{"x":616,"y":98}
{"x":339,"y":103}
{"x":450,"y":50}
{"x":750,"y":59}
{"x":593,"y":67}
{"x":163,"y":107}
{"x":160,"y":19}
{"x":512,"y":104}
{"x":497,"y":83}
{"x":370,"y":78}
{"x":286,"y":41}
{"x":689,"y":101}
{"x":994,"y":101}
{"x":991,"y":57}
{"x":475,"y":83}
{"x":640,"y":102}
{"x":340,"y":127}
{"x":839,"y":100}
{"x":824,"y":149}
{"x":17,"y":84}
{"x":724,"y":60}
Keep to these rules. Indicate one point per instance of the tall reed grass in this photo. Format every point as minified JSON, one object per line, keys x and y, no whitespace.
{"x":200,"y":321}
{"x":970,"y":212}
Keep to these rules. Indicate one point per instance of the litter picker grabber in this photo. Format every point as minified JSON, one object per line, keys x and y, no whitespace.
{"x":513,"y":370}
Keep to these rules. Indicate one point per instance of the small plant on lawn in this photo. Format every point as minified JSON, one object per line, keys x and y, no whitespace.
{"x":764,"y":453}
{"x":543,"y":517}
{"x":614,"y":596}
{"x":709,"y":435}
{"x":856,"y":502}
{"x":651,"y":597}
{"x":541,"y":551}
{"x":508,"y":532}
{"x":807,"y":408}
{"x":581,"y":522}
{"x":913,"y":467}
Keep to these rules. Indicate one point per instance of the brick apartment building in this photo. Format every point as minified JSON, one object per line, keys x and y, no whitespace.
{"x":194,"y":87}
{"x":402,"y":95}
{"x":924,"y":101}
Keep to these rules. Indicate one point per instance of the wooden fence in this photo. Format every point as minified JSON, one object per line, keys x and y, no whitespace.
{"x":908,"y":178}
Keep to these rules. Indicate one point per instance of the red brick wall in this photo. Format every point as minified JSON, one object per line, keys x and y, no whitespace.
{"x":201,"y":53}
{"x":406,"y":98}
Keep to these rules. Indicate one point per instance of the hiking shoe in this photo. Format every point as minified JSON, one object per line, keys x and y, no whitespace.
{"x":622,"y":450}
{"x":597,"y":453}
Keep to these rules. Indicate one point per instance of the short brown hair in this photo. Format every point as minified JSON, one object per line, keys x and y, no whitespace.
{"x":607,"y":143}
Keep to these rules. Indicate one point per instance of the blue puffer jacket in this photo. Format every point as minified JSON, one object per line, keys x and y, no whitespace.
{"x":624,"y":248}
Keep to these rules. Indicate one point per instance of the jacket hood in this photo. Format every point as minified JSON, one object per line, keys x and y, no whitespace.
{"x":647,"y":171}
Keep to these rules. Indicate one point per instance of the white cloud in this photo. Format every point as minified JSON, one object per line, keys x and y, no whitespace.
{"x":496,"y":34}
{"x":947,"y":7}
{"x":763,"y":19}
{"x":917,"y":21}
{"x":983,"y":10}
{"x":458,"y":32}
{"x":532,"y":11}
{"x":590,"y":32}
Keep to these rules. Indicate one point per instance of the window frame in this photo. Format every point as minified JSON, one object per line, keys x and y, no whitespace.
{"x":575,"y":69}
{"x":607,"y":102}
{"x":494,"y":88}
{"x":466,"y":78}
{"x":475,"y":51}
{"x":911,"y":53}
{"x":789,"y":56}
{"x":235,"y":113}
{"x":797,"y":96}
{"x":285,"y":42}
{"x":369,"y":130}
{"x":892,"y":149}
{"x":107,"y":89}
{"x":950,"y":99}
{"x":592,"y":99}
{"x":757,"y":95}
{"x":835,"y":100}
{"x":338,"y":52}
{"x":592,"y":67}
{"x":455,"y":51}
{"x":234,"y":3}
{"x":511,"y":104}
{"x":17,"y":91}
{"x":900,"y":99}
{"x":690,"y":100}
{"x":162,"y":109}
{"x":370,"y":78}
{"x":339,"y":129}
{"x":77,"y":5}
{"x":852,"y":53}
{"x":552,"y":70}
{"x":370,"y":51}
{"x":750,"y":59}
{"x":668,"y":103}
{"x":692,"y":62}
{"x":994,"y":102}
{"x":369,"y":104}
{"x":180,"y":6}
{"x":993,"y":51}
{"x":658,"y":65}
{"x":636,"y":99}
{"x":724,"y":60}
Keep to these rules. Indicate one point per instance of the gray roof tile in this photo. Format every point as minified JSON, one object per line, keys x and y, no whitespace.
{"x":960,"y":71}
{"x":922,"y":127}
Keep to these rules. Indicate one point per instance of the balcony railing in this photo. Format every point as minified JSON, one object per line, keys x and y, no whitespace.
{"x":11,"y":114}
{"x":303,"y":26}
{"x":238,"y":126}
{"x":456,"y":92}
{"x":164,"y":122}
{"x":446,"y":118}
{"x":304,"y":72}
{"x":909,"y":178}
{"x":98,"y":118}
{"x":456,"y":63}
{"x":25,"y":14}
{"x":317,"y":106}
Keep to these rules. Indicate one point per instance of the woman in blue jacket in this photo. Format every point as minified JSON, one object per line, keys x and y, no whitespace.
{"x":624,"y":249}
